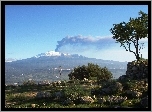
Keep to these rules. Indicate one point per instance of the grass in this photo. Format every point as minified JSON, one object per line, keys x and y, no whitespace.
{"x":23,"y":96}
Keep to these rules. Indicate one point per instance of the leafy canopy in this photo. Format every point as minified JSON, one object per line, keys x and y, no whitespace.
{"x":92,"y":70}
{"x":127,"y":33}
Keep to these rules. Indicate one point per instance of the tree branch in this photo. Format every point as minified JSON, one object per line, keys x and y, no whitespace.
{"x":122,"y":44}
{"x":131,"y":50}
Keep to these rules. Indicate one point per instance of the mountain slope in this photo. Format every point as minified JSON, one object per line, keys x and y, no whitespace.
{"x":45,"y":66}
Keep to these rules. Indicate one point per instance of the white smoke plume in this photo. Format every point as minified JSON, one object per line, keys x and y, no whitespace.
{"x":82,"y":43}
{"x":97,"y":47}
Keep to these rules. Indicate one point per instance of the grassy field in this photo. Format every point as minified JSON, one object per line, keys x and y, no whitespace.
{"x":24,"y":96}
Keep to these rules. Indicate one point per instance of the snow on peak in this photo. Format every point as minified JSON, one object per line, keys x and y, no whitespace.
{"x":52,"y":53}
{"x":66,"y":54}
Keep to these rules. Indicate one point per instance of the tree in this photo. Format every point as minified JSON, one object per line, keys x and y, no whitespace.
{"x":104,"y":75}
{"x":79,"y":73}
{"x":91,"y":70}
{"x":131,"y":32}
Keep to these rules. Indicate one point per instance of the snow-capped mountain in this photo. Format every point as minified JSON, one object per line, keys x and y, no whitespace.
{"x":48,"y":54}
{"x":40,"y":66}
{"x":52,"y":53}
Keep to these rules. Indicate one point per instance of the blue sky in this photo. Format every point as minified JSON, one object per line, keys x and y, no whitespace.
{"x":35,"y":29}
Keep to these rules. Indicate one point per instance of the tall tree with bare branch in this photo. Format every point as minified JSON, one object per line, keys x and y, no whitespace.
{"x":131,"y":32}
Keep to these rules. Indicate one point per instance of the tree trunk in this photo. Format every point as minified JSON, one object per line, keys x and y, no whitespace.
{"x":137,"y":56}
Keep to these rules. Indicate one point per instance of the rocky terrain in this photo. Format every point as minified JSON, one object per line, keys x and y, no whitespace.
{"x":128,"y":91}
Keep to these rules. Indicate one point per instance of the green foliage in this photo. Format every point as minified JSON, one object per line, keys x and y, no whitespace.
{"x":131,"y":32}
{"x":108,"y":83}
{"x":132,"y":103}
{"x":89,"y":71}
{"x":128,"y":84}
{"x":104,"y":75}
{"x":93,"y":69}
{"x":23,"y":98}
{"x":141,"y":60}
{"x":79,"y":72}
{"x":114,"y":87}
{"x":73,"y":89}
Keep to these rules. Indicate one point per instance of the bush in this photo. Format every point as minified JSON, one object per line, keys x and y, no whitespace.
{"x":79,"y":72}
{"x":111,"y":88}
{"x":89,"y":71}
{"x":104,"y":75}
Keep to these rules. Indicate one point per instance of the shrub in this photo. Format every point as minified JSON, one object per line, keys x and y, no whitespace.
{"x":79,"y":72}
{"x":89,"y":71}
{"x":104,"y":75}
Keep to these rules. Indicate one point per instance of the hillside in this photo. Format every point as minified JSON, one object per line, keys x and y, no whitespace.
{"x":128,"y":91}
{"x":44,"y":66}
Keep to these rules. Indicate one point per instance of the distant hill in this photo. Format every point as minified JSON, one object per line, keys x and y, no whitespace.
{"x":46,"y":65}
